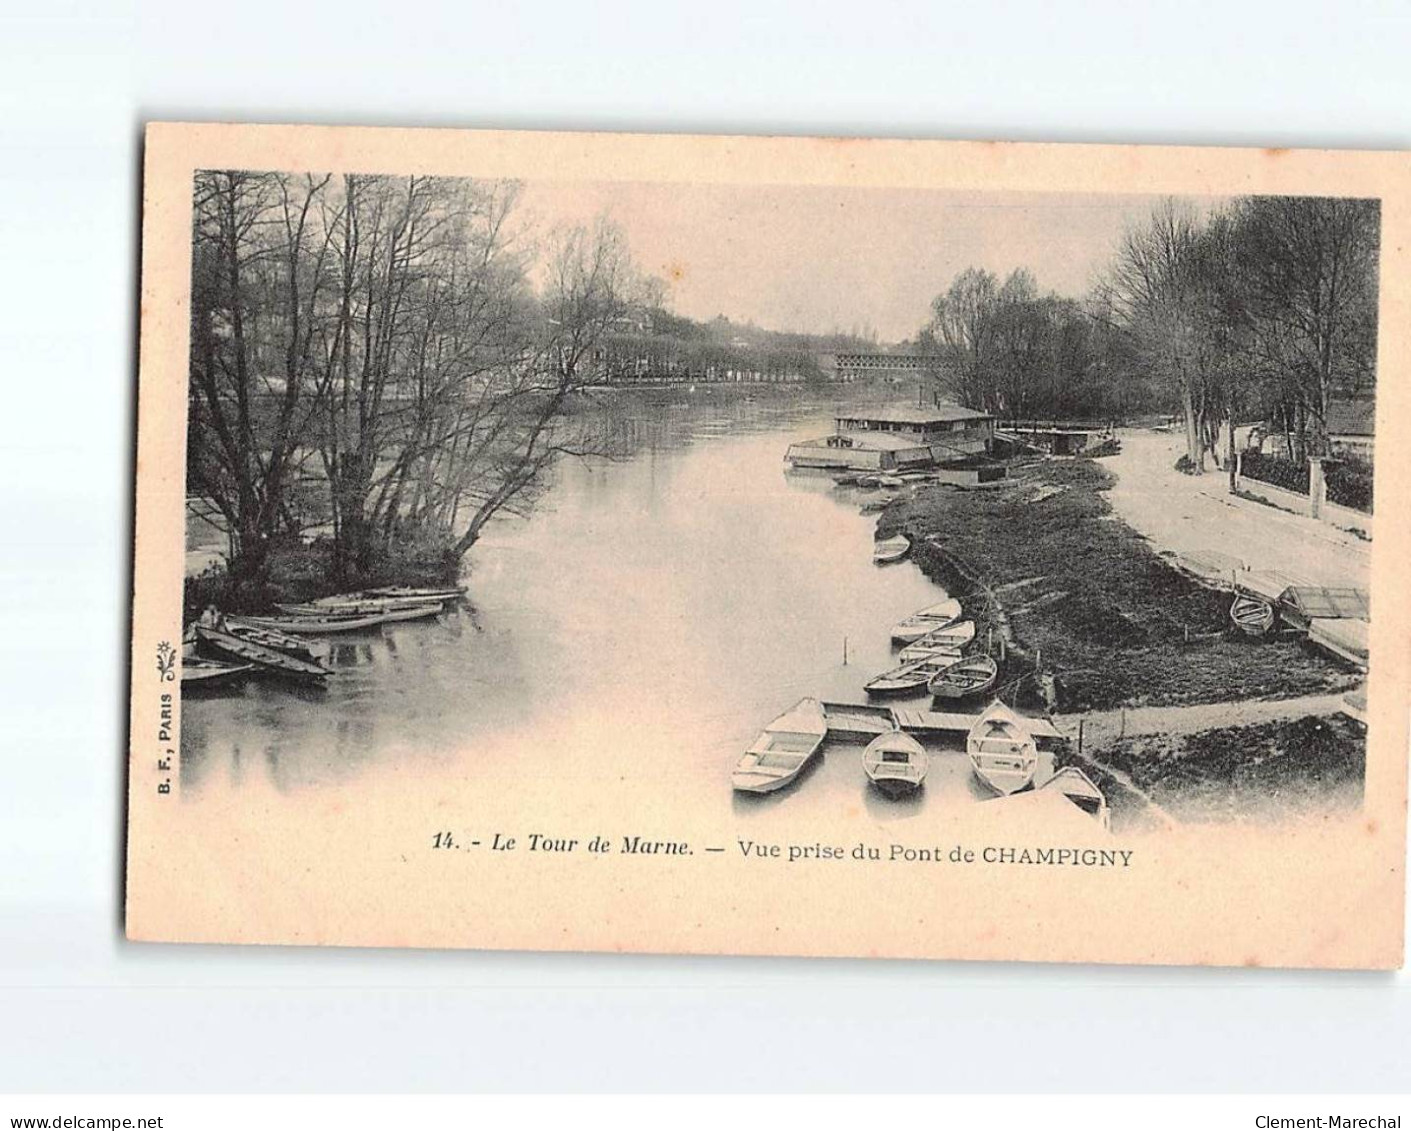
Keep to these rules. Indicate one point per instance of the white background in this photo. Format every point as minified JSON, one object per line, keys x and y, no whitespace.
{"x":81,"y":1009}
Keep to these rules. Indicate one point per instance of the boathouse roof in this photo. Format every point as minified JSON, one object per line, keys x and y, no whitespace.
{"x":884,"y":441}
{"x":910,"y":414}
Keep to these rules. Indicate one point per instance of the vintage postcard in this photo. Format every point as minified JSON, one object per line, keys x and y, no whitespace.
{"x":771,"y":546}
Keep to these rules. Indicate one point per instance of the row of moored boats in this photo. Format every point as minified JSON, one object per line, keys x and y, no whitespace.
{"x":932,"y":659}
{"x":222,"y":649}
{"x":1002,"y":750}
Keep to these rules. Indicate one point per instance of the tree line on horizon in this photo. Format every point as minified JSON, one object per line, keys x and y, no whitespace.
{"x":1262,"y":308}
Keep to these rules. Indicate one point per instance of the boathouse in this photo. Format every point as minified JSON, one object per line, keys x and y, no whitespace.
{"x":886,"y":439}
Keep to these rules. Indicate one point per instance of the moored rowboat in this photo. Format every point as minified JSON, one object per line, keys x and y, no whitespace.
{"x":782,"y":749}
{"x":913,"y":676}
{"x":924,"y":648}
{"x":1002,"y":752}
{"x":972,"y":676}
{"x":891,"y":549}
{"x":222,"y":645}
{"x":895,"y":763}
{"x":270,"y":638}
{"x":925,"y":621}
{"x":361,"y":604}
{"x":948,"y":638}
{"x":197,"y":672}
{"x":321,"y":624}
{"x":1080,"y":790}
{"x":1252,"y":616}
{"x":446,"y":593}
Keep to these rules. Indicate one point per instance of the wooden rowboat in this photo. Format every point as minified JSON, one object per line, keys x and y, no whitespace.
{"x":316,"y":624}
{"x":446,"y":593}
{"x":925,"y":621}
{"x":924,"y":648}
{"x":895,"y":763}
{"x":911,"y":677}
{"x":1252,"y":616}
{"x":362,"y":604}
{"x":270,"y":638}
{"x":782,"y":750}
{"x":1080,"y":790}
{"x":972,"y":676}
{"x":222,"y":645}
{"x":199,"y":673}
{"x":951,"y":637}
{"x":1002,"y":752}
{"x":891,"y":549}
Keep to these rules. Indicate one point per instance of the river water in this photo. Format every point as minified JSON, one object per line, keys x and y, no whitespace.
{"x":648,"y":618}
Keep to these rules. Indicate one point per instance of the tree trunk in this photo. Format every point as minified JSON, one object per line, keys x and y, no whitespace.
{"x":1193,"y":444}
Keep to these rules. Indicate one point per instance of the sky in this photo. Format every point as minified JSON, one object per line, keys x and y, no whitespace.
{"x":820,"y":258}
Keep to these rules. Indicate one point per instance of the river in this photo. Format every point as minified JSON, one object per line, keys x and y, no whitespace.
{"x":642,"y":623}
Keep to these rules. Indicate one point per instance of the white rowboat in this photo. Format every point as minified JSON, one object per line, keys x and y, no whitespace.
{"x":895,"y":763}
{"x":1080,"y":790}
{"x":782,"y":749}
{"x":1002,"y":752}
{"x":321,"y":624}
{"x":926,"y":620}
{"x":891,"y":549}
{"x":912,"y":677}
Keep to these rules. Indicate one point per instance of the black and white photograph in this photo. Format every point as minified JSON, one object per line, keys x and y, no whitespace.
{"x":708,"y":538}
{"x":630,"y":565}
{"x":1063,"y":502}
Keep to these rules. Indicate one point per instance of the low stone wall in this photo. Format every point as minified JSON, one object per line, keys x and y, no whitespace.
{"x":1315,"y":505}
{"x":1274,"y":496}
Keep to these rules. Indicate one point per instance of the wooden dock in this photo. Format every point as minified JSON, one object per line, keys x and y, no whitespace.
{"x":867,"y":720}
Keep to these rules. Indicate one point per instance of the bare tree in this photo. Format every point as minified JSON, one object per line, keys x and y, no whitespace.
{"x":258,"y":269}
{"x":1154,"y":286}
{"x":519,"y":424}
{"x":961,"y":331}
{"x":1309,"y":265}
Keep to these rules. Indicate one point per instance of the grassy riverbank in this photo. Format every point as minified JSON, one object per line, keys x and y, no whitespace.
{"x":1247,"y":772}
{"x":1106,"y":620}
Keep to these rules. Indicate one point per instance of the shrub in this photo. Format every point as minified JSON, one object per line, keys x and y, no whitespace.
{"x":1277,"y":471}
{"x":1349,"y":483}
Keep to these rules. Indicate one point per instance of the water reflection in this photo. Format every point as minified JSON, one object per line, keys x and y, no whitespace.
{"x":642,"y":625}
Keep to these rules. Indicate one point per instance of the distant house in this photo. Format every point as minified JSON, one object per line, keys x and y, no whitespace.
{"x":1351,"y":424}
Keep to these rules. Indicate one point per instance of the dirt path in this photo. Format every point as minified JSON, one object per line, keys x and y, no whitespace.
{"x":1192,"y":513}
{"x":1103,"y":727}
